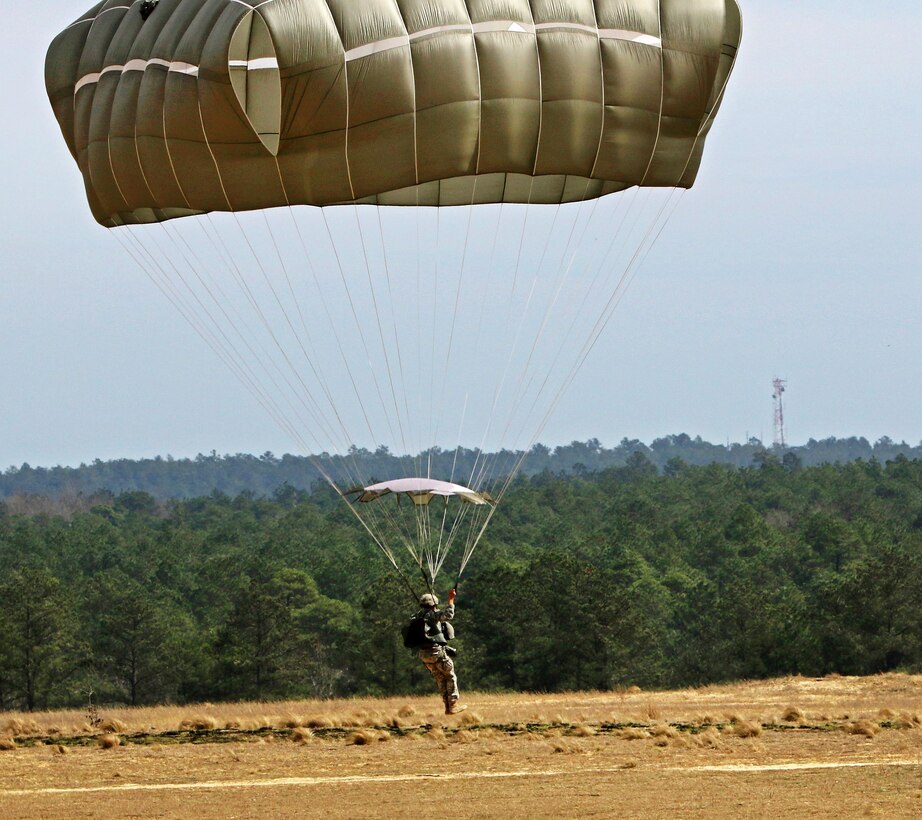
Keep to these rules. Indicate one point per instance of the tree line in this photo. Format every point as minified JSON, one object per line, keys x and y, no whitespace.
{"x":232,"y":474}
{"x":630,"y":574}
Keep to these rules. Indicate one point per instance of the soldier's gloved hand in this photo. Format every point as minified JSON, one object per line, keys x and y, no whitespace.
{"x":452,"y":595}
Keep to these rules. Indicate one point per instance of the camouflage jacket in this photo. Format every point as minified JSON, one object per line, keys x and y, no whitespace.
{"x":434,"y":619}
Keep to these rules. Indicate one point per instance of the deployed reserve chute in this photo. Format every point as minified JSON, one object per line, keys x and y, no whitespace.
{"x":401,"y":327}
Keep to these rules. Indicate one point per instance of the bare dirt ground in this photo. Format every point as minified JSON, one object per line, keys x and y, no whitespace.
{"x":795,"y":747}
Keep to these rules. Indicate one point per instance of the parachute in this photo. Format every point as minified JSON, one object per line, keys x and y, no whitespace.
{"x":216,"y":136}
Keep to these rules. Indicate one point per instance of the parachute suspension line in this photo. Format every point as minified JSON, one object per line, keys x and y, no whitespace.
{"x":562,"y":276}
{"x":304,"y":396}
{"x":480,"y":335}
{"x":435,"y":293}
{"x":149,"y":266}
{"x":221,"y":329}
{"x":608,"y":310}
{"x":418,"y":448}
{"x":358,"y":324}
{"x":384,"y":345}
{"x":511,"y":311}
{"x":340,"y":348}
{"x":320,"y":415}
{"x":390,"y":296}
{"x":518,"y":389}
{"x":167,"y":287}
{"x":500,"y":387}
{"x":325,"y":384}
{"x":454,"y":316}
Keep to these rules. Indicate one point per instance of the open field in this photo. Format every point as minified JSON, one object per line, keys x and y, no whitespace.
{"x":790,"y":747}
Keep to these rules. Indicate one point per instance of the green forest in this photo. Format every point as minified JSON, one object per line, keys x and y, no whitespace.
{"x":172,"y":477}
{"x":625,"y":575}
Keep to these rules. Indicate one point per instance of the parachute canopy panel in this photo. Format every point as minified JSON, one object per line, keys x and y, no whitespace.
{"x":420,"y":491}
{"x":235,"y":105}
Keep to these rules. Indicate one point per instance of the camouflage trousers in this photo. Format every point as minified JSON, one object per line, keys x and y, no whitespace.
{"x":442,"y":669}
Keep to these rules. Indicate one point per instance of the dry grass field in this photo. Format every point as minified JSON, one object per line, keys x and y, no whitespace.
{"x":794,"y":747}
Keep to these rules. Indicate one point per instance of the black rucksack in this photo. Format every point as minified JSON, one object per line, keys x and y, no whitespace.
{"x":414,"y":633}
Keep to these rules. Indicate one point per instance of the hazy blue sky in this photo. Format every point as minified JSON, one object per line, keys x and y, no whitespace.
{"x":796,"y":254}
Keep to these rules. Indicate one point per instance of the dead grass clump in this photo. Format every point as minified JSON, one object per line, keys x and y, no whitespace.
{"x":706,"y":720}
{"x":867,"y":728}
{"x":362,"y":737}
{"x":58,"y":749}
{"x":232,"y":724}
{"x":406,"y":711}
{"x":489,"y":733}
{"x":51,"y":731}
{"x":792,"y":715}
{"x":302,"y":735}
{"x":7,"y":744}
{"x":318,"y":722}
{"x":200,"y":723}
{"x":633,"y":733}
{"x":564,"y":746}
{"x":108,"y":741}
{"x":112,"y":726}
{"x":651,"y":711}
{"x":22,"y":727}
{"x":907,"y":721}
{"x":708,"y":739}
{"x":435,"y":733}
{"x":470,"y":719}
{"x":886,"y":714}
{"x":466,"y":736}
{"x":292,"y":722}
{"x":664,"y":730}
{"x":82,"y":729}
{"x":747,"y":728}
{"x":583,"y":731}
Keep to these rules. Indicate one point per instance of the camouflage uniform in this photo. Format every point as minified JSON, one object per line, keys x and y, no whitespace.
{"x":435,"y":657}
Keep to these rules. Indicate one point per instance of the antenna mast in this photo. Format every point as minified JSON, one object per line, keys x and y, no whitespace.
{"x":780,"y":385}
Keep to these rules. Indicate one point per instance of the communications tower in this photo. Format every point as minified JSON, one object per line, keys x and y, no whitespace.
{"x":780,"y":386}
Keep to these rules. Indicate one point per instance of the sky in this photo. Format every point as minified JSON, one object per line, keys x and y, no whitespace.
{"x":795,"y":255}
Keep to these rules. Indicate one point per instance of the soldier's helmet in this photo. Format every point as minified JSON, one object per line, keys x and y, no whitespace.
{"x":428,"y":600}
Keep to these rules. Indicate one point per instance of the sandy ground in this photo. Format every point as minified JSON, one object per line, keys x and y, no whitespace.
{"x":573,"y":767}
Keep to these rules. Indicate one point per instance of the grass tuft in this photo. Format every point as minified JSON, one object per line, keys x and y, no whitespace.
{"x":406,"y":711}
{"x":58,"y":749}
{"x":651,"y":711}
{"x":867,"y":728}
{"x":583,"y":731}
{"x":747,"y":728}
{"x":7,"y":744}
{"x":113,"y":726}
{"x":22,"y":727}
{"x":470,"y":719}
{"x":634,"y":733}
{"x":792,"y":715}
{"x":465,"y":736}
{"x":302,"y":735}
{"x":108,"y":741}
{"x":362,"y":737}
{"x":564,"y":746}
{"x":200,"y":723}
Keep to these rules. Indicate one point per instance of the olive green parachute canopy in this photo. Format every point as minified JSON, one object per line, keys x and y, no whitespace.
{"x":227,"y":105}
